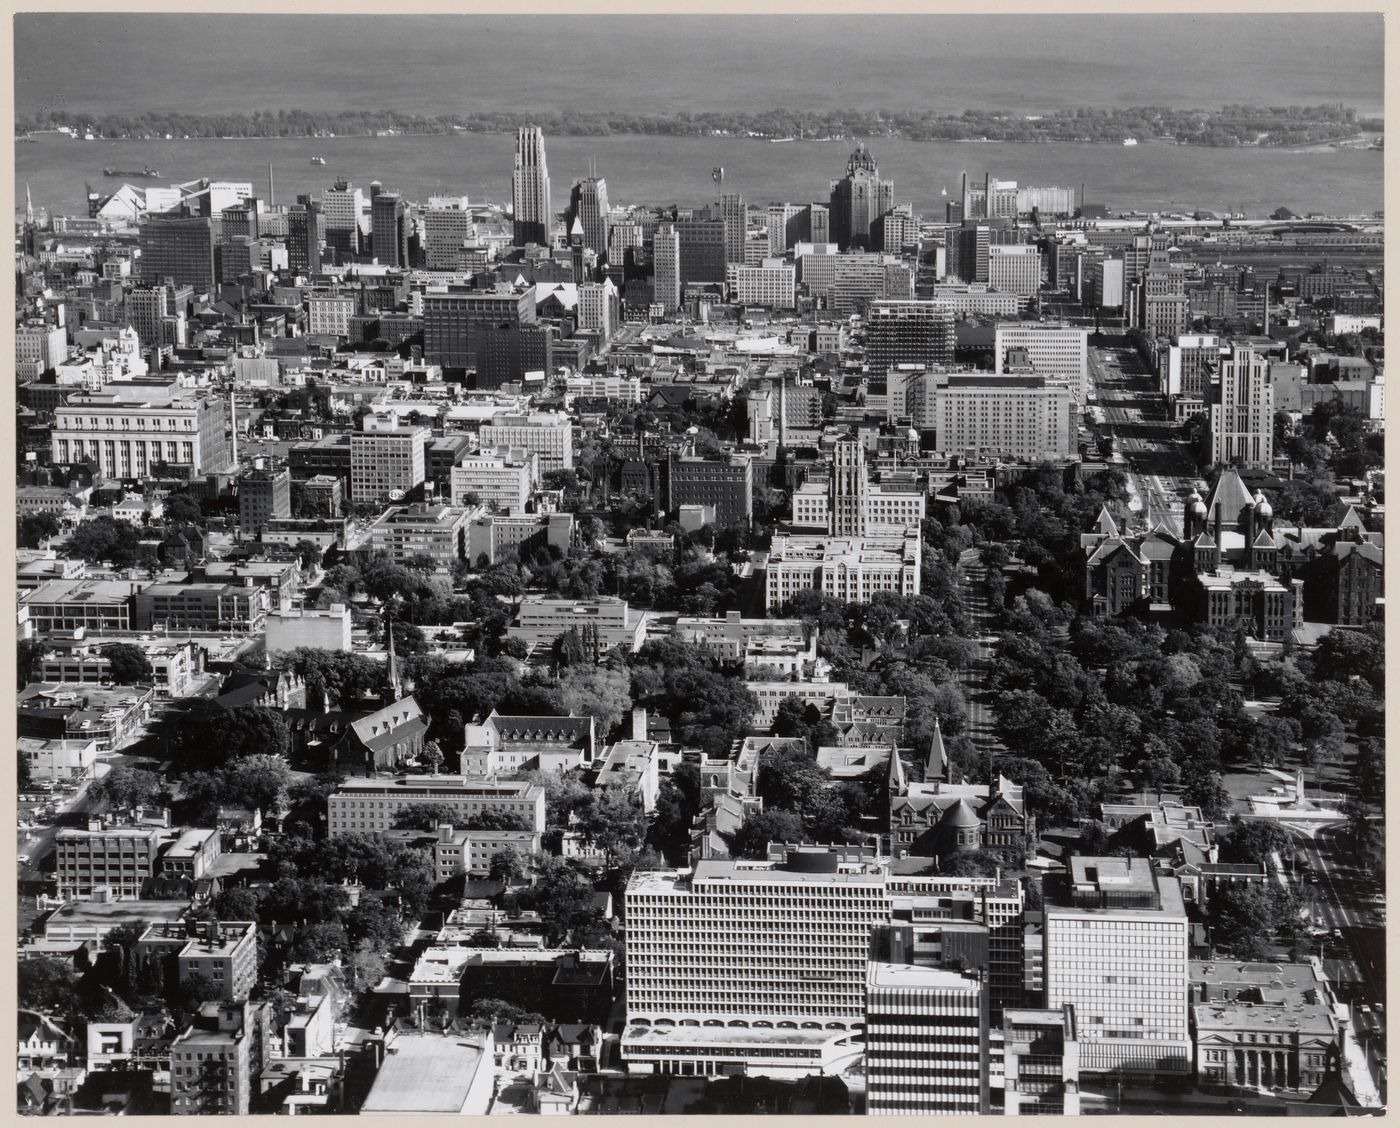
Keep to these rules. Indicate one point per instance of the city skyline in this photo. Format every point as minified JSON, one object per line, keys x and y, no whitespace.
{"x":701,"y":608}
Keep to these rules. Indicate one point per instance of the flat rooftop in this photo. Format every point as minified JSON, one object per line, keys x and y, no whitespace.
{"x":424,"y":1073}
{"x":890,"y":975}
{"x":663,"y":1037}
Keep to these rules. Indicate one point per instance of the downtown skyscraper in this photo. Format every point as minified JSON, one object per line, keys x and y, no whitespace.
{"x":530,"y":184}
{"x":857,"y":200}
{"x":588,"y":203}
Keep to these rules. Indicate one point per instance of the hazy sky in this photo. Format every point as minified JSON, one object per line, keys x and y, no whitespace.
{"x":432,"y":64}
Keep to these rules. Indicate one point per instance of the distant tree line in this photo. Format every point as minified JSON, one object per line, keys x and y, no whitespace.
{"x":1227,"y":126}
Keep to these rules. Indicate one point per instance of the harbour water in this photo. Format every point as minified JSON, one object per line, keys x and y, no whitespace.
{"x":1154,"y":175}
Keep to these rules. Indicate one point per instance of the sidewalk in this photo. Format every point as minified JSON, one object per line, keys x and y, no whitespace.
{"x":1356,"y":1073}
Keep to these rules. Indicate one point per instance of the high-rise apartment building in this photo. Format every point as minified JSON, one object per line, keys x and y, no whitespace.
{"x":216,"y":1059}
{"x":1115,"y":942}
{"x":533,"y":215}
{"x":178,"y":248}
{"x":858,"y":200}
{"x":389,"y":229}
{"x":588,"y":203}
{"x":1242,"y":411}
{"x":666,"y":254}
{"x":908,"y":332}
{"x":819,"y":223}
{"x":927,"y":1039}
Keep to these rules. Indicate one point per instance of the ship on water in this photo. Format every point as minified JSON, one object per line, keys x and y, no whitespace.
{"x":147,"y":173}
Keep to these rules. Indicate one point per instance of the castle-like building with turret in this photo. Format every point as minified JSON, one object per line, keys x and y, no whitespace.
{"x":1229,"y":562}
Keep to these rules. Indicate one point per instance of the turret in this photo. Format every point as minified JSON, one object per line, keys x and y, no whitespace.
{"x":1263,"y":511}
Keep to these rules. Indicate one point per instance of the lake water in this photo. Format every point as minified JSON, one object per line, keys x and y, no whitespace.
{"x":119,"y":63}
{"x":661,"y":169}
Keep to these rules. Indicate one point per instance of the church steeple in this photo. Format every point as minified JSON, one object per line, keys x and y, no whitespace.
{"x":897,"y":780}
{"x":393,"y":664}
{"x":936,"y":766}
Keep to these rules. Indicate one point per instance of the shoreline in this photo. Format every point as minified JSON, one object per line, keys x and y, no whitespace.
{"x":1355,"y":142}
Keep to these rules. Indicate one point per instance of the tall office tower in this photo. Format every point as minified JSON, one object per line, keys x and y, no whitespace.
{"x":237,"y":259}
{"x":1014,"y":268}
{"x":786,"y":227}
{"x":849,"y":489}
{"x":1242,"y":411}
{"x":818,"y":223}
{"x":736,"y":225}
{"x":342,"y":205}
{"x":927,"y":1037}
{"x":588,"y":203}
{"x":896,"y":229}
{"x":387,"y":464}
{"x":238,"y":222}
{"x":389,"y":229}
{"x":666,"y":253}
{"x":1187,"y":365}
{"x":908,"y":332}
{"x":304,"y":236}
{"x":456,"y":320}
{"x":968,"y":251}
{"x":702,"y":243}
{"x":1056,"y":350}
{"x":147,"y":311}
{"x":622,"y":237}
{"x":599,"y":309}
{"x":1163,"y":310}
{"x":178,"y":248}
{"x":533,"y":216}
{"x":858,"y":200}
{"x":1115,"y":942}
